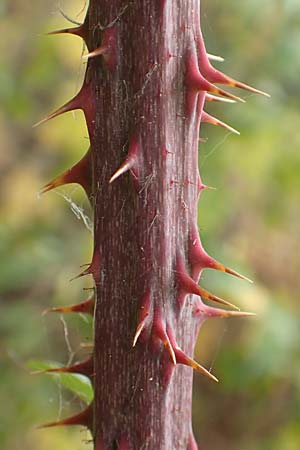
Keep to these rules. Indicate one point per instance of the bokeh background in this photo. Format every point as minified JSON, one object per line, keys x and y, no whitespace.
{"x":251,"y":223}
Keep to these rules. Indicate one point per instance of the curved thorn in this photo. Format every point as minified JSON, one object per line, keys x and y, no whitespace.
{"x":222,"y":268}
{"x":234,"y":83}
{"x":209,"y":296}
{"x":83,"y":368}
{"x":215,"y":98}
{"x":203,"y":310}
{"x":72,"y":105}
{"x":84,"y":418}
{"x":85,"y":307}
{"x":139,"y":329}
{"x":189,"y":286}
{"x":97,"y":52}
{"x":127,"y":165}
{"x":182,"y":358}
{"x":207,"y":118}
{"x":80,"y":173}
{"x":209,"y":87}
{"x":215,"y":76}
{"x":170,"y":349}
{"x":76,"y":31}
{"x":160,"y":331}
{"x":130,"y":161}
{"x":197,"y":82}
{"x":144,"y":311}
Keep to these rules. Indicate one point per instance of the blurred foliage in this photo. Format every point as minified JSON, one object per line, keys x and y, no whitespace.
{"x":251,"y":223}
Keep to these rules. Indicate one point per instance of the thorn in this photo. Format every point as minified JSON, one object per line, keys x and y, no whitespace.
{"x":215,"y":57}
{"x":80,"y":173}
{"x":130,"y":161}
{"x":218,"y":266}
{"x":139,"y":329}
{"x":201,"y":260}
{"x":84,"y":368}
{"x":189,"y":286}
{"x":196,"y":81}
{"x":93,"y":268}
{"x":128,"y":164}
{"x":208,"y":296}
{"x":107,"y":49}
{"x":86,"y":307}
{"x":205,"y":117}
{"x":80,"y":101}
{"x":76,"y":31}
{"x":144,"y":311}
{"x":215,"y":98}
{"x":215,"y":76}
{"x":99,"y":51}
{"x":182,"y":358}
{"x":224,"y":79}
{"x":84,"y":418}
{"x":203,"y":310}
{"x":208,"y":188}
{"x":159,"y":330}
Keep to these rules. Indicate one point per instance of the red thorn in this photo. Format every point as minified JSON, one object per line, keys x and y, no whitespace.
{"x":196,"y":82}
{"x":107,"y":49}
{"x":159,"y":331}
{"x":76,"y":31}
{"x":215,"y":98}
{"x":81,"y":101}
{"x":192,"y":444}
{"x":204,"y":187}
{"x":201,"y":260}
{"x":144,"y":312}
{"x":86,"y":307}
{"x":93,"y":269}
{"x":80,"y":173}
{"x":215,"y":76}
{"x":130,"y":161}
{"x":205,"y":117}
{"x":83,"y":368}
{"x":84,"y":418}
{"x":189,"y":286}
{"x":208,"y":312}
{"x":182,"y":358}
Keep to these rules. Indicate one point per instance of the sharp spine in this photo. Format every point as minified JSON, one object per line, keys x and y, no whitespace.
{"x":207,"y":118}
{"x":84,"y":418}
{"x":215,"y":57}
{"x":85,"y":307}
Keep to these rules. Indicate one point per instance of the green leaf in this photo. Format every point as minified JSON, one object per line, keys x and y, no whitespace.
{"x":78,"y":384}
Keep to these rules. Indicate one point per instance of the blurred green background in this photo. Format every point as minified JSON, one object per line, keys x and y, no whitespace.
{"x":251,"y":223}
